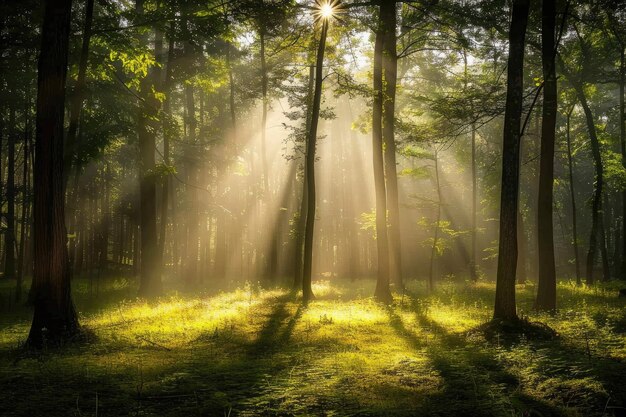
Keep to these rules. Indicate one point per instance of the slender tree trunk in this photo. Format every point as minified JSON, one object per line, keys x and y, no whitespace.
{"x":473,"y":263}
{"x":301,"y":224}
{"x":382,"y":292}
{"x":150,"y":280}
{"x":596,"y":205}
{"x":167,"y":108}
{"x":307,"y":292}
{"x":25,"y":210}
{"x":505,"y":308}
{"x":622,"y":136}
{"x":433,"y":252}
{"x":55,"y":316}
{"x":106,"y":218}
{"x":264,"y":89}
{"x":570,"y":166}
{"x":522,"y":250}
{"x":192,"y":252}
{"x":78,"y":96}
{"x":546,"y":289}
{"x":390,"y":73}
{"x":9,"y":234}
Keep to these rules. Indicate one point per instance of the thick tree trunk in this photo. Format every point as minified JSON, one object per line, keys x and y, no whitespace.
{"x":546,"y":289}
{"x":307,"y":291}
{"x":382,"y":292}
{"x":390,"y":74}
{"x":54,"y":317}
{"x":505,"y":308}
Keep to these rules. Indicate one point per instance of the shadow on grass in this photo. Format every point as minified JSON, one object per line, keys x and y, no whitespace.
{"x":474,"y":382}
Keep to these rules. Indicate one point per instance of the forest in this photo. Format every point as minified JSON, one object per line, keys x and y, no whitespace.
{"x":313,"y":208}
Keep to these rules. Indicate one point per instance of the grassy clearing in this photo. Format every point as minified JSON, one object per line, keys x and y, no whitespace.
{"x":259,"y":352}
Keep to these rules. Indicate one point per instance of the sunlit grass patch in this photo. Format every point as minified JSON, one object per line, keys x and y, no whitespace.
{"x":260,"y":351}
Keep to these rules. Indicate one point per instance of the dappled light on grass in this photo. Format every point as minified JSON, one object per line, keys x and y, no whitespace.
{"x":250,"y":349}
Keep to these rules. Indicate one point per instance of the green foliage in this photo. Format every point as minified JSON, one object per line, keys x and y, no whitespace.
{"x":446,"y":234}
{"x":368,"y":222}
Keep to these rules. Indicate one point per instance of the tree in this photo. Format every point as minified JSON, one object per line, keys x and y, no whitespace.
{"x":382,"y":291}
{"x":390,"y":74}
{"x":546,"y":290}
{"x":150,"y":282}
{"x":54,"y":316}
{"x":307,"y":292}
{"x":597,"y":235}
{"x":505,"y":308}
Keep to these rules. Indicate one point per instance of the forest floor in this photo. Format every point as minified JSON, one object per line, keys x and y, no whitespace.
{"x":255,"y":352}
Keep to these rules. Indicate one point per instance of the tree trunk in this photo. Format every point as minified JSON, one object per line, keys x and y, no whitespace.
{"x":165,"y":188}
{"x":77,"y":98}
{"x":390,"y":67}
{"x":546,"y":289}
{"x":264,"y":88}
{"x":622,"y":136}
{"x":307,"y":292}
{"x":505,"y":308}
{"x":301,"y":224}
{"x":25,"y":210}
{"x":570,"y":166}
{"x":433,"y":252}
{"x":9,"y":234}
{"x":382,"y":292}
{"x":473,"y":263}
{"x":596,"y":205}
{"x":150,"y":280}
{"x":192,"y":251}
{"x":54,"y":316}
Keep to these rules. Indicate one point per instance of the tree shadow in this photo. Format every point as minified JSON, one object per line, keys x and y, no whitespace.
{"x":474,"y":382}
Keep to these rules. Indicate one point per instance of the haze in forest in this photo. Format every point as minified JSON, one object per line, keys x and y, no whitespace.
{"x":237,"y":183}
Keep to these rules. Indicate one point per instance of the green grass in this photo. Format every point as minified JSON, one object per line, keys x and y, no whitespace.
{"x":260,"y":352}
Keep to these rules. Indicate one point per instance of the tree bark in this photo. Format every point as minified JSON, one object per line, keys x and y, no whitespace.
{"x":505,"y":308}
{"x":301,"y":224}
{"x":546,"y":289}
{"x":390,"y":74}
{"x":307,"y":291}
{"x":54,"y":316}
{"x":382,"y":291}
